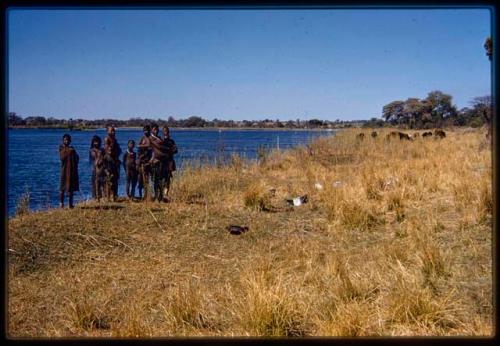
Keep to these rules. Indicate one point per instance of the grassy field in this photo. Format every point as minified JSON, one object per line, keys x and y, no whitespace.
{"x":396,"y":241}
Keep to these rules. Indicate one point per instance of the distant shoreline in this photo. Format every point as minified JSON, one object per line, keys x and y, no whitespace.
{"x":176,"y":128}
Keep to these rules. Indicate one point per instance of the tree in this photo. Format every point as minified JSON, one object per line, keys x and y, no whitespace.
{"x":439,"y":105}
{"x":393,"y":112}
{"x":315,"y":123}
{"x":35,"y":121}
{"x":462,"y":116}
{"x":413,"y":109}
{"x":488,"y":46}
{"x":15,"y":120}
{"x":195,"y":121}
{"x":481,"y":107}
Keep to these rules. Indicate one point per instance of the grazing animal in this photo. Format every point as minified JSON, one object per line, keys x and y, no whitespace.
{"x":404,"y":136}
{"x":427,"y":134}
{"x":439,"y":134}
{"x":360,"y":136}
{"x":392,"y":134}
{"x":374,"y":134}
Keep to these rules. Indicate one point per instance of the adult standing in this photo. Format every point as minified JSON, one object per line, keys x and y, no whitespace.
{"x":69,"y":171}
{"x":112,"y":149}
{"x":158,"y":163}
{"x":95,"y":152}
{"x":171,"y":150}
{"x":144,"y":154}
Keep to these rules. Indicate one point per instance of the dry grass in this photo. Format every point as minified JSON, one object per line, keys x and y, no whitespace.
{"x":397,"y":242}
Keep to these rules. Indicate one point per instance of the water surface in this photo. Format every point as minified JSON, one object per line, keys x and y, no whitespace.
{"x":33,"y":156}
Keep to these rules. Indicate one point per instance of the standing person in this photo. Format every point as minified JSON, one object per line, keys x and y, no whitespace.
{"x":158,"y":163}
{"x":171,"y":150}
{"x":94,"y":152}
{"x":112,"y":148}
{"x":69,"y":171}
{"x":129,"y":165}
{"x":100,"y":174}
{"x":109,"y":172}
{"x":144,"y":153}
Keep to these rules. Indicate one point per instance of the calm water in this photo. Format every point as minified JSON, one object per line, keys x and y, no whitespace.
{"x":34,"y":158}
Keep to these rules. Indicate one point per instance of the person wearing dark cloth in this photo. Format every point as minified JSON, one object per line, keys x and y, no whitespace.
{"x":69,"y":171}
{"x":158,"y":163}
{"x":100,"y":174}
{"x":108,"y":167}
{"x":144,"y":154}
{"x":94,"y":152}
{"x":171,"y":150}
{"x":112,"y":148}
{"x":129,"y":165}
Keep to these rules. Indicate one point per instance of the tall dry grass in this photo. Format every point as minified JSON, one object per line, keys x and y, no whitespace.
{"x":396,"y":242}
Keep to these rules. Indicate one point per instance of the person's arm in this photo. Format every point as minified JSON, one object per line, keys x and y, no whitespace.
{"x":158,"y":148}
{"x":107,"y":141}
{"x":124,"y":159}
{"x":174,"y":148}
{"x":144,"y":143}
{"x":98,"y":159}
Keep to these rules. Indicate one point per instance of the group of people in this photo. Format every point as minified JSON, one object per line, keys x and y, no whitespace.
{"x":150,"y":169}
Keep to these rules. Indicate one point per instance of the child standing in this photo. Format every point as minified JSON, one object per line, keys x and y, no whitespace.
{"x":69,"y":171}
{"x":129,"y":165}
{"x":171,"y":149}
{"x":144,"y":153}
{"x":95,"y":152}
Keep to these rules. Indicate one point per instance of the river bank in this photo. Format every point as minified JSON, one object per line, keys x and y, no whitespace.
{"x":180,"y":128}
{"x":394,"y":239}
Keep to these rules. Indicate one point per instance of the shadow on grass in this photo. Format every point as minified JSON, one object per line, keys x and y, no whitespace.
{"x":102,"y":207}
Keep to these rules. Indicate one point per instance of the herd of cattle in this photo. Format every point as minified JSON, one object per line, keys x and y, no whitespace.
{"x":408,"y":137}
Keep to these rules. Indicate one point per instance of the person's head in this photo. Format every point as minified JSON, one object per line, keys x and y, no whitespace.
{"x":110,"y":129}
{"x":66,"y":139}
{"x":154,"y":129}
{"x":147,"y":130}
{"x":131,"y":144}
{"x":166,"y":131}
{"x":95,"y":142}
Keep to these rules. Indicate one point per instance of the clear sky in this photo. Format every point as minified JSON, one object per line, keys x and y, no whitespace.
{"x":241,"y":64}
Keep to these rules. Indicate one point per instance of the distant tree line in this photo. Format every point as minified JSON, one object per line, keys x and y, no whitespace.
{"x":16,"y":120}
{"x":436,"y":110}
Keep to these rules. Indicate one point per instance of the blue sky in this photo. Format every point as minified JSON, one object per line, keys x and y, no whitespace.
{"x":241,"y":64}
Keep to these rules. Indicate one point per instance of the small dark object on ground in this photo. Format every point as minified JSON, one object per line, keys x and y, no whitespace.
{"x":237,"y":230}
{"x":427,"y":134}
{"x":416,"y":135}
{"x":374,"y":134}
{"x":439,"y":133}
{"x":360,"y":136}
